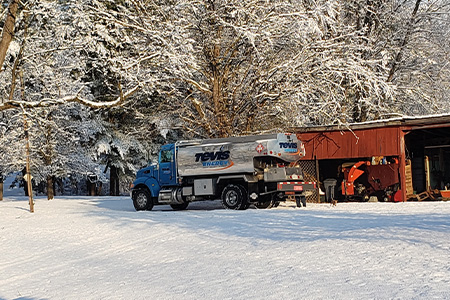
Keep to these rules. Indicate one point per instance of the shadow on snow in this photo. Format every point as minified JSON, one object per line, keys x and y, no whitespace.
{"x":289,"y":224}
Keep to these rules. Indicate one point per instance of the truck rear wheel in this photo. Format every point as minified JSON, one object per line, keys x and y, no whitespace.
{"x":142,"y":200}
{"x":245,"y":203}
{"x":264,"y":205}
{"x":265,"y":201}
{"x":233,"y":197}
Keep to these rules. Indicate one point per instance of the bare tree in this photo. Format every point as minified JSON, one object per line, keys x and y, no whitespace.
{"x":223,"y":66}
{"x":228,"y":67}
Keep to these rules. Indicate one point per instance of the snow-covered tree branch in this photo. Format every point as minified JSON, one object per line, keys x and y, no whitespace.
{"x":46,"y":102}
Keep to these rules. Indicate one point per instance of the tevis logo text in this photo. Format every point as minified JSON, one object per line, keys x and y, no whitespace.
{"x":288,"y":145}
{"x":212,"y":156}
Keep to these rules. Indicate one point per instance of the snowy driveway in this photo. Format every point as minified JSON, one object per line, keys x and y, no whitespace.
{"x":100,"y":248}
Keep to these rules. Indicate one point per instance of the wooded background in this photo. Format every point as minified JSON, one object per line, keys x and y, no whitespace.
{"x":102,"y":83}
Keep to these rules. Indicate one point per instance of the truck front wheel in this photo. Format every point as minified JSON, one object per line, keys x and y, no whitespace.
{"x":232,"y":197}
{"x":142,"y":200}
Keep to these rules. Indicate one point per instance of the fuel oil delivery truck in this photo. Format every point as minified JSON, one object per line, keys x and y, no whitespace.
{"x":261,"y":170}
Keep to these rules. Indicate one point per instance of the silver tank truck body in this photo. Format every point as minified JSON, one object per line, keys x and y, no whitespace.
{"x":234,"y":155}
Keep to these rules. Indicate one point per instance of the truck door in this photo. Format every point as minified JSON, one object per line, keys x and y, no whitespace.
{"x":167,"y":169}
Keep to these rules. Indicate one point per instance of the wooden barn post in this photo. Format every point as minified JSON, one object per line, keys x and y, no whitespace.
{"x":402,"y":163}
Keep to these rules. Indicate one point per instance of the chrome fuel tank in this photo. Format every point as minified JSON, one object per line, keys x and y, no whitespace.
{"x":236,"y":154}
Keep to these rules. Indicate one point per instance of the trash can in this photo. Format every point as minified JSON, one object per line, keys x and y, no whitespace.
{"x":330,"y":186}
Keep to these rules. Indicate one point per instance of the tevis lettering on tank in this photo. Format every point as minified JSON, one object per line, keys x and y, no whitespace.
{"x":218,"y":160}
{"x":288,"y":145}
{"x":212,"y":156}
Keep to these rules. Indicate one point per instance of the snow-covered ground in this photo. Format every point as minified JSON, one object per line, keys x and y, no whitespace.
{"x":101,"y":248}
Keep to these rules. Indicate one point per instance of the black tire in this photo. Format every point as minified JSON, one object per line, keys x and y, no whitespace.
{"x":264,"y":202}
{"x":300,"y":201}
{"x":182,"y":206}
{"x":142,"y":200}
{"x":264,"y":205}
{"x":232,"y":197}
{"x":245,"y":206}
{"x":245,"y":203}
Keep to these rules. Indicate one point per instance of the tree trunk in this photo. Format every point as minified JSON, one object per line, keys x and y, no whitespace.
{"x":1,"y":187}
{"x":91,"y":188}
{"x":8,"y":30}
{"x":47,"y":156}
{"x":408,"y":34}
{"x":114,"y":181}
{"x":360,"y":112}
{"x":24,"y":182}
{"x":92,"y":184}
{"x":223,"y":126}
{"x":50,"y":188}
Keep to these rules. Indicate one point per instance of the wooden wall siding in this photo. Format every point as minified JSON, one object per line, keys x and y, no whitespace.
{"x":346,"y":144}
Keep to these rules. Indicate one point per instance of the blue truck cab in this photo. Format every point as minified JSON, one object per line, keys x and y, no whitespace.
{"x":153,"y":178}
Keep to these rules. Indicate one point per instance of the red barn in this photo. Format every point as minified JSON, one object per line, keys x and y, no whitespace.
{"x":405,"y":158}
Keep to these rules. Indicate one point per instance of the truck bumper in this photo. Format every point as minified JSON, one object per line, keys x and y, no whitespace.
{"x":290,"y":186}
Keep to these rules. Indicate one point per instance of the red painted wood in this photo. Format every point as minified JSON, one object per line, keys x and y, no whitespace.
{"x":362,"y":143}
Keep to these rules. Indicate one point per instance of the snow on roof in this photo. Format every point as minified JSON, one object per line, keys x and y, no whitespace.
{"x":397,"y":121}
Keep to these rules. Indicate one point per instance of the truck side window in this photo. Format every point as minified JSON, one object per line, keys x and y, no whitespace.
{"x":166,"y":156}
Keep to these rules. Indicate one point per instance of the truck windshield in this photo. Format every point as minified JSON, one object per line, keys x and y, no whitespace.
{"x":166,"y":156}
